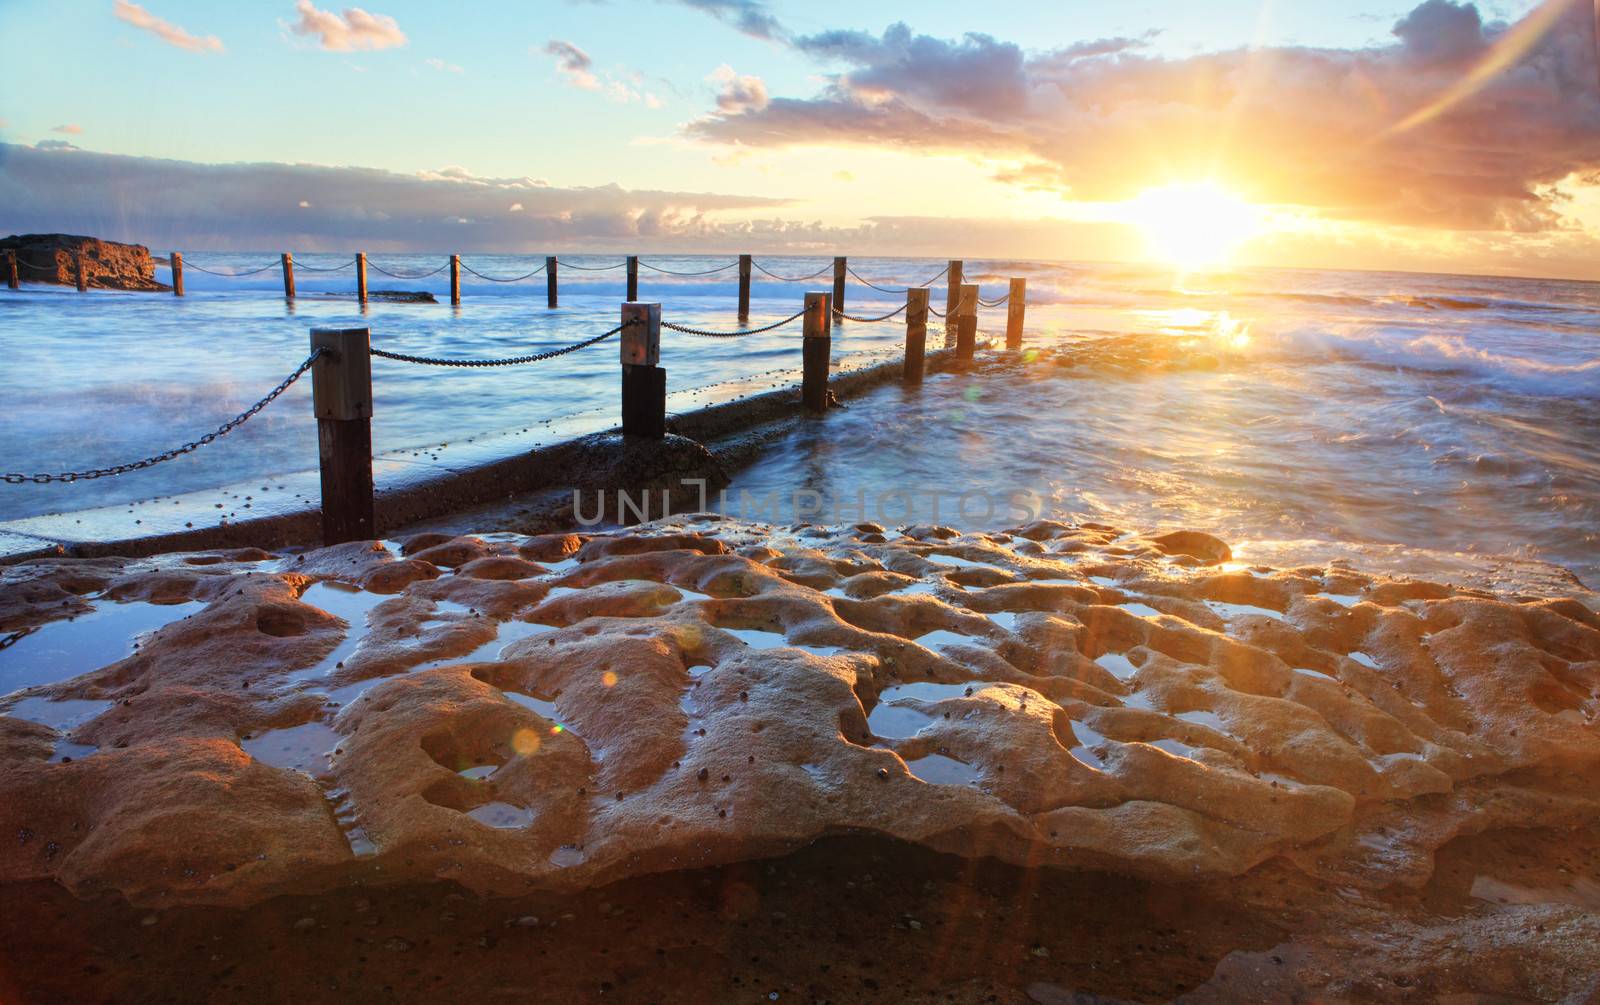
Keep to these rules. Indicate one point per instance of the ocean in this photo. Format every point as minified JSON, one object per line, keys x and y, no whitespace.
{"x":1293,"y":413}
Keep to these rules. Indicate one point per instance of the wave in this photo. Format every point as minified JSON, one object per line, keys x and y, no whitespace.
{"x":1446,"y":354}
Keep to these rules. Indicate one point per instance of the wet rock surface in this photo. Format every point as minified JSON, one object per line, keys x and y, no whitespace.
{"x":52,"y":258}
{"x":511,"y":714}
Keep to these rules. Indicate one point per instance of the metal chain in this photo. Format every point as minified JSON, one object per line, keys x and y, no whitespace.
{"x":511,"y":361}
{"x":885,"y":289}
{"x":590,"y":268}
{"x":851,"y":317}
{"x":496,"y":279}
{"x":17,"y":478}
{"x":230,"y":275}
{"x":708,"y":272}
{"x":398,"y":275}
{"x":336,"y":268}
{"x":738,"y":334}
{"x":786,"y":279}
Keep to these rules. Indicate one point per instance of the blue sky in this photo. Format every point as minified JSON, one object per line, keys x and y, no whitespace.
{"x":674,"y":97}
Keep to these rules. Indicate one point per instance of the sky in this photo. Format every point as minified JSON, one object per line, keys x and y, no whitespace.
{"x":1434,"y":136}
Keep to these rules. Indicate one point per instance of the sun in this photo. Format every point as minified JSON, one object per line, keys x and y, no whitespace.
{"x":1193,"y":225}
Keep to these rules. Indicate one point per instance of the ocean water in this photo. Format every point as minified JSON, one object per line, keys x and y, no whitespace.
{"x":1454,"y":414}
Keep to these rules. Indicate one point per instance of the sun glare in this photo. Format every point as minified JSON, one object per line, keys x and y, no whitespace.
{"x":1192,"y":225}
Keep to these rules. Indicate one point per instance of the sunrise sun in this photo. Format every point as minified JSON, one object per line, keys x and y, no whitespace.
{"x":1192,"y":224}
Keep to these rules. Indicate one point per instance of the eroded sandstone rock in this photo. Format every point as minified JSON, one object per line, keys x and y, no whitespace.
{"x":564,"y":711}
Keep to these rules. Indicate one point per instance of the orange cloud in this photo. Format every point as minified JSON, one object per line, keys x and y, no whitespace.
{"x":164,"y":30}
{"x":354,"y":29}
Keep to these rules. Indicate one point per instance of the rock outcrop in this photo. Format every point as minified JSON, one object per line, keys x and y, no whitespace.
{"x":563,"y":711}
{"x":53,"y":258}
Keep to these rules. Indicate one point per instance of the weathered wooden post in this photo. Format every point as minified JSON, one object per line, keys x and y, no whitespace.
{"x":1016,"y":305}
{"x":839,"y":266}
{"x":644,"y":382}
{"x":83,"y":277}
{"x":816,"y":351}
{"x":455,"y":280}
{"x":952,"y":295}
{"x":633,"y":277}
{"x":361,"y":276}
{"x":11,"y":270}
{"x":550,"y":278}
{"x":288,"y":276}
{"x":916,"y":333}
{"x":967,"y":321}
{"x":177,"y":273}
{"x":341,"y":396}
{"x":744,"y":287}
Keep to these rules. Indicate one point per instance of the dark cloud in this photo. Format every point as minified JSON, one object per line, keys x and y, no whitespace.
{"x":168,"y":203}
{"x":1298,"y":126}
{"x":749,"y":16}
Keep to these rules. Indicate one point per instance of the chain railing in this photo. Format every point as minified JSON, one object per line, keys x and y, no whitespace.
{"x":405,"y":275}
{"x":508,"y":361}
{"x":993,"y":303}
{"x":789,"y":279}
{"x":886,"y":289}
{"x":18,"y":478}
{"x":588,"y":268}
{"x":685,"y":329}
{"x":497,"y":279}
{"x":882,"y":317}
{"x":303,"y":267}
{"x":707,"y":272}
{"x":230,"y":275}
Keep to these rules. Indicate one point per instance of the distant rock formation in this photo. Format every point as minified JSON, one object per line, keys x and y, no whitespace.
{"x":52,"y":258}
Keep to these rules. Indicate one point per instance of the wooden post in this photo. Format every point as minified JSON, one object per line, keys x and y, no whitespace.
{"x":916,"y":332}
{"x":361,"y":276}
{"x":1015,"y":306}
{"x":341,"y":396}
{"x":455,"y":280}
{"x":633,"y":277}
{"x":839,"y":265}
{"x":952,"y":296}
{"x":816,"y":351}
{"x":967,"y":321}
{"x":11,"y":269}
{"x":744,"y":287}
{"x":177,"y":273}
{"x":644,"y":382}
{"x":83,"y":278}
{"x":550,"y":278}
{"x":288,"y":276}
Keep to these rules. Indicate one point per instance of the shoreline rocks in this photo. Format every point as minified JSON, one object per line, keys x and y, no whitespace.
{"x":109,"y":265}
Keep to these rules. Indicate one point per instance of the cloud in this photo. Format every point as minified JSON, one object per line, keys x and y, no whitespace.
{"x":56,"y":145}
{"x":578,"y":68}
{"x":738,"y":93}
{"x":71,"y":129}
{"x":442,"y":66}
{"x":748,"y":16}
{"x":1286,"y":125}
{"x":163,"y":29}
{"x":573,"y":63}
{"x":182,"y":203}
{"x":354,"y":29}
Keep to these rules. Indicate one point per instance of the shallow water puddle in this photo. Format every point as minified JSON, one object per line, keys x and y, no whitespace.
{"x":501,"y":815}
{"x":1005,"y":619}
{"x":937,"y":769}
{"x":961,"y":563}
{"x":1176,"y":748}
{"x":757,"y":638}
{"x":1083,"y":751}
{"x":941,"y":637}
{"x":307,"y":747}
{"x":64,"y":649}
{"x":922,"y":589}
{"x":349,"y":603}
{"x":1141,"y":610}
{"x":1210,"y":720}
{"x":896,"y":721}
{"x":479,"y":772}
{"x":1227,"y":612}
{"x":1365,"y":660}
{"x":1343,"y":599}
{"x":927,"y":690}
{"x":64,"y":715}
{"x":1318,"y":674}
{"x":1120,"y":666}
{"x":544,"y":706}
